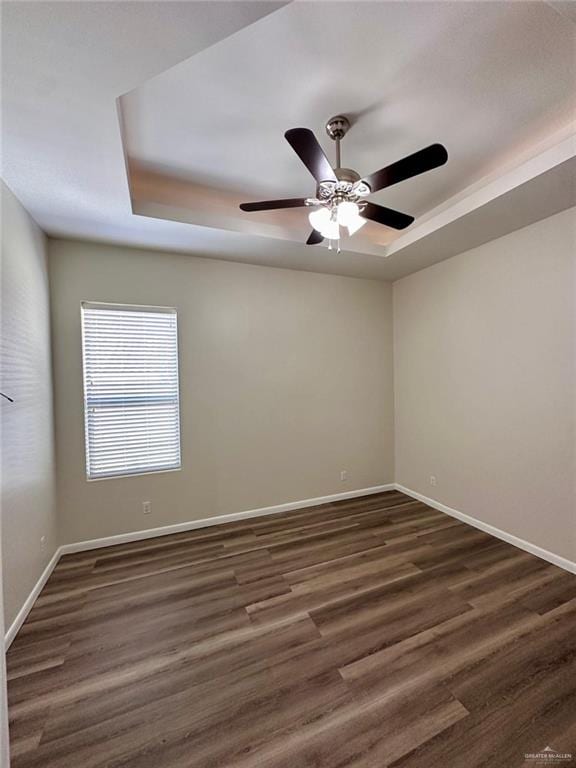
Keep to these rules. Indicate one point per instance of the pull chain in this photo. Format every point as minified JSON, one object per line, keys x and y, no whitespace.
{"x":330,"y":246}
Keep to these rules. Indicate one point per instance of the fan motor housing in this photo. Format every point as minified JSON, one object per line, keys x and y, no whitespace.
{"x":348,"y":186}
{"x":347,"y":174}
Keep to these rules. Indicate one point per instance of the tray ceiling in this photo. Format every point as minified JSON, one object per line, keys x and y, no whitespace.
{"x":107,"y":136}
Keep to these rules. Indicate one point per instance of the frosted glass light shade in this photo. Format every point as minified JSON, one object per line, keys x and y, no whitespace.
{"x":347,"y":213}
{"x":355,"y":224}
{"x":331,"y":231}
{"x":319,"y":219}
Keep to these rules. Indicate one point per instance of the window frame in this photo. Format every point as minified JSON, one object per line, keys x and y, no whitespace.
{"x":90,"y":304}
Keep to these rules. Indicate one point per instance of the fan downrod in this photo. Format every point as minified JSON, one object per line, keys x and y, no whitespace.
{"x":337,"y":127}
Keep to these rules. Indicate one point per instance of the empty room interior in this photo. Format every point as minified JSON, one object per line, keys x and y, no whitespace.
{"x":288,"y":384}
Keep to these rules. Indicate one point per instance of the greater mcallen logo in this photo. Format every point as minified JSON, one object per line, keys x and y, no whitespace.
{"x":548,"y":755}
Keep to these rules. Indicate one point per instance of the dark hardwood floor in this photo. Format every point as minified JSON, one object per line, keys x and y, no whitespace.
{"x":369,"y":633}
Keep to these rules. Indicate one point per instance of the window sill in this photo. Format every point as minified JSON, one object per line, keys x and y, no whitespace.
{"x":132,"y":474}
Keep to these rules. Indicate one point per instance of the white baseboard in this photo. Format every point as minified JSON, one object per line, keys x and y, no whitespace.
{"x":30,"y":600}
{"x":527,"y":546}
{"x":124,"y":538}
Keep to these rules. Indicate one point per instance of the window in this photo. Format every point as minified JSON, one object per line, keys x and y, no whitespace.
{"x":131,"y":402}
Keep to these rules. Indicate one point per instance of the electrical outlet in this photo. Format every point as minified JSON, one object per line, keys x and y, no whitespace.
{"x":344,"y":475}
{"x":43,"y":544}
{"x":433,"y":480}
{"x":147,"y":507}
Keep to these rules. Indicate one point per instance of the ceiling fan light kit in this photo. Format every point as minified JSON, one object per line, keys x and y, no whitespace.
{"x":340,"y":192}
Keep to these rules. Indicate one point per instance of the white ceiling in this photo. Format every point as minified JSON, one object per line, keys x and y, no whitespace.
{"x":208,"y":89}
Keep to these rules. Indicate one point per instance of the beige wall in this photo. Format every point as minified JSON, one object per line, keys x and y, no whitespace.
{"x":485,"y":383}
{"x":285,"y":377}
{"x":27,"y":487}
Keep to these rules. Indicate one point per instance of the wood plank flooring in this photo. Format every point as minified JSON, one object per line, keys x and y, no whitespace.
{"x":369,"y":633}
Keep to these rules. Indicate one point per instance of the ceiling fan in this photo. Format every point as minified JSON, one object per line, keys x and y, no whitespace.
{"x":340,"y":192}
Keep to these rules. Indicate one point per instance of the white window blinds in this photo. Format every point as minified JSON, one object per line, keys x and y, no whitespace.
{"x":130,"y":389}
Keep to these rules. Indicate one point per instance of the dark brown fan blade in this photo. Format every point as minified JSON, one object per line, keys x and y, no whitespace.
{"x":306,"y":146}
{"x":314,"y":238}
{"x":386,"y":216}
{"x":271,"y":205}
{"x":413,"y":165}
